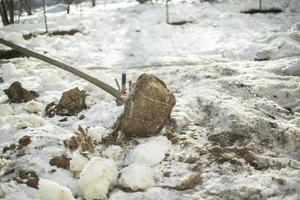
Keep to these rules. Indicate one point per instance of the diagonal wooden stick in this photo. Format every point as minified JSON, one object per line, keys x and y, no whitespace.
{"x":114,"y":92}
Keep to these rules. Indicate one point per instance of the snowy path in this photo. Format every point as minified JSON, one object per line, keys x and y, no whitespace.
{"x":238,"y":120}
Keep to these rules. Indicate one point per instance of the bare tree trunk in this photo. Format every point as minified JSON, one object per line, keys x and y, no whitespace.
{"x":167,"y":12}
{"x":3,"y":12}
{"x":68,"y":6}
{"x":45,"y":17}
{"x":11,"y":8}
{"x":27,"y":6}
{"x":93,"y":3}
{"x":260,"y":5}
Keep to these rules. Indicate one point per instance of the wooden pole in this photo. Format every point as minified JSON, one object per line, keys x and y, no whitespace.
{"x":114,"y":92}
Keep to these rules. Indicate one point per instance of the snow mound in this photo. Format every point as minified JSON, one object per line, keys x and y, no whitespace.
{"x":149,"y":153}
{"x":281,"y":45}
{"x":137,"y":177}
{"x":114,"y":152}
{"x":49,"y":190}
{"x":96,"y":178}
{"x":97,"y":133}
{"x":78,"y":162}
{"x":30,"y":121}
{"x":34,"y":107}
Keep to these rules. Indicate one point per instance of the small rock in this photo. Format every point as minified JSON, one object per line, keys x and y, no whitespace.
{"x":17,"y":94}
{"x":60,"y":161}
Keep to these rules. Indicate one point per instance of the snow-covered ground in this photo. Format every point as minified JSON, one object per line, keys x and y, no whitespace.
{"x":238,"y":119}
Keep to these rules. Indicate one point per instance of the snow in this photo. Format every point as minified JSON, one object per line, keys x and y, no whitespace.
{"x":236,"y":81}
{"x":78,"y":162}
{"x":97,"y":133}
{"x":114,"y":152}
{"x":137,"y":177}
{"x":6,"y":110}
{"x":34,"y":107}
{"x":49,"y":190}
{"x":96,"y":177}
{"x":149,"y":153}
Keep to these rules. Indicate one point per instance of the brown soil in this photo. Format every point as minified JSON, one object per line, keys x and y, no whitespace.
{"x":71,"y":103}
{"x":24,"y":141}
{"x":17,"y":94}
{"x":30,"y":178}
{"x":60,"y":161}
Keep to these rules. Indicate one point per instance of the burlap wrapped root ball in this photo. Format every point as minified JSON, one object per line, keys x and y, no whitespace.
{"x":147,"y":108}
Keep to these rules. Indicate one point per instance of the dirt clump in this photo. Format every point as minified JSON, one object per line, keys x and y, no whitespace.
{"x":81,"y":140}
{"x":147,"y":108}
{"x":30,"y":178}
{"x":71,"y":103}
{"x":17,"y":94}
{"x":60,"y":161}
{"x":24,"y":141}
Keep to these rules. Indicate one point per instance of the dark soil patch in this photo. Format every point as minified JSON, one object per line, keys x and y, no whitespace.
{"x":71,"y":103}
{"x":24,"y":141}
{"x":264,"y":11}
{"x":53,"y":33}
{"x":81,"y":140}
{"x":60,"y":161}
{"x":17,"y":94}
{"x":8,"y":54}
{"x":30,"y":178}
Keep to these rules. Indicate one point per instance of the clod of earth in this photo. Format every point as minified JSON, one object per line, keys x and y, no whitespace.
{"x":60,"y":161}
{"x":17,"y":94}
{"x":71,"y":103}
{"x":82,"y":140}
{"x":24,"y":141}
{"x":30,"y":178}
{"x":147,"y":108}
